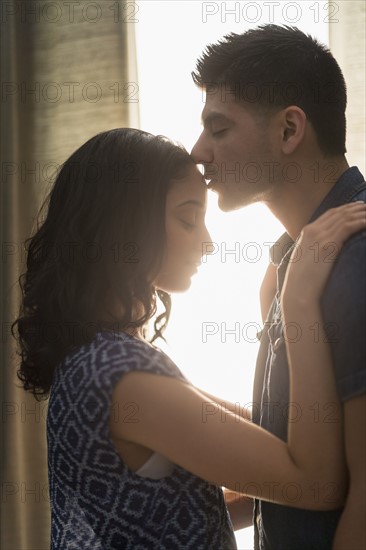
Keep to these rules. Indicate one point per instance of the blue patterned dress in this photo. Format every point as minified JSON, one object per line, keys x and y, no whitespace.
{"x":97,"y":502}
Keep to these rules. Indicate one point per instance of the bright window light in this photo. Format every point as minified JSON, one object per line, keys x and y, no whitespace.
{"x":212,"y":332}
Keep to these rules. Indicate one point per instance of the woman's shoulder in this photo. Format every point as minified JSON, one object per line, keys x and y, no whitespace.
{"x":110,"y":355}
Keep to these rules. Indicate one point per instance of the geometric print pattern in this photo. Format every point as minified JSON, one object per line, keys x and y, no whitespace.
{"x":97,"y":502}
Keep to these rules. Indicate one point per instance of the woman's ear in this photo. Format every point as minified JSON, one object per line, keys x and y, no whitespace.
{"x":293,"y":128}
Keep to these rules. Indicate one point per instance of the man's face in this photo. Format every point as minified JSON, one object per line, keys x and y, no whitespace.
{"x":238,"y":150}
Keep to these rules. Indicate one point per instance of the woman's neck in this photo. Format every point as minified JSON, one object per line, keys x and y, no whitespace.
{"x":112,"y":314}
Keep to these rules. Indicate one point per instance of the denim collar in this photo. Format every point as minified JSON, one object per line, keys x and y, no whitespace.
{"x":342,"y":192}
{"x":346,"y":187}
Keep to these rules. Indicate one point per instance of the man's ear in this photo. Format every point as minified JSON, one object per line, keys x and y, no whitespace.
{"x":293,"y":126}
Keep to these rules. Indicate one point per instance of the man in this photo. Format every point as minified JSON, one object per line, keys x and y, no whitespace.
{"x":274,"y":131}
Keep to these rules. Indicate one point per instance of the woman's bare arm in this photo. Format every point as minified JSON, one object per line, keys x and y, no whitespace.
{"x":224,"y":448}
{"x":240,"y":409}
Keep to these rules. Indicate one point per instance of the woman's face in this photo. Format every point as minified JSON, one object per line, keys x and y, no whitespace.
{"x":186,"y":233}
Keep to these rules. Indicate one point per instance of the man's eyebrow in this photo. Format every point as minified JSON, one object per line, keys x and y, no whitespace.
{"x":193,"y":202}
{"x":211,"y":117}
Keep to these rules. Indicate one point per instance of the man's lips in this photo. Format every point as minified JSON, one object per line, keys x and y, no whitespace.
{"x":212,"y":184}
{"x":208,"y":180}
{"x":212,"y":180}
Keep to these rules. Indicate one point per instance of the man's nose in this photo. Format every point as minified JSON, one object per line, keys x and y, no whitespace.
{"x":201,"y":153}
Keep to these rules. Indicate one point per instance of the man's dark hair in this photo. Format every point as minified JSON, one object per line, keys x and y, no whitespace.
{"x":272,"y":67}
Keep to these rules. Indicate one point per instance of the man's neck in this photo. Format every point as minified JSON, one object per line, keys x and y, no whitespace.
{"x":294,"y":203}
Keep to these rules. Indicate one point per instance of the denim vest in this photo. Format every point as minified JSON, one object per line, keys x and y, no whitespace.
{"x":343,"y":304}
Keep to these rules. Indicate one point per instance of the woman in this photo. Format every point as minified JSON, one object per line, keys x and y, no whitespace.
{"x":137,"y":455}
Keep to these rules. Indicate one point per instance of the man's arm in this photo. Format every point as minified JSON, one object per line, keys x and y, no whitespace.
{"x":240,"y":509}
{"x":344,"y":315}
{"x":267,"y":290}
{"x":351,"y":531}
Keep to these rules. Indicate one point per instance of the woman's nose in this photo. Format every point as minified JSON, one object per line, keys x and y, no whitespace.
{"x":207,"y":245}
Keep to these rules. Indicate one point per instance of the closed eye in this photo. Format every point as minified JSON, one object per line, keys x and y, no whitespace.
{"x":219,"y":132}
{"x":188,"y":225}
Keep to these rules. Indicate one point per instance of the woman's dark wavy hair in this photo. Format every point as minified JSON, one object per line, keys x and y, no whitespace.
{"x":102,"y":235}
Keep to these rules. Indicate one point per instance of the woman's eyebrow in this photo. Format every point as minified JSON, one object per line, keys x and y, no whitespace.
{"x":191,"y":201}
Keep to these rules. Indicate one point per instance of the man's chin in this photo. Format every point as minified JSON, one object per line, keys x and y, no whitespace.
{"x":222,"y":199}
{"x":225,"y":206}
{"x":230,"y":199}
{"x":229,"y":203}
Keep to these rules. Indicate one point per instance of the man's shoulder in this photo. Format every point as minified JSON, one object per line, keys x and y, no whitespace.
{"x":352,"y":258}
{"x":360,"y":192}
{"x":350,"y":265}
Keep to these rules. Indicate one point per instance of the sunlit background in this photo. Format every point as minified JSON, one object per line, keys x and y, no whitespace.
{"x":212,"y":332}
